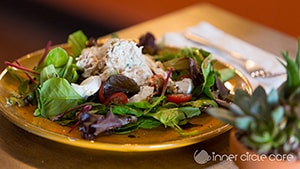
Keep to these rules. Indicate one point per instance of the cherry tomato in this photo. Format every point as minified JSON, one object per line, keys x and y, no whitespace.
{"x":116,"y":98}
{"x":179,"y":98}
{"x":100,"y":94}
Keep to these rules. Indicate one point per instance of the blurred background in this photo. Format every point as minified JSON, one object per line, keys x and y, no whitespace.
{"x":27,"y":25}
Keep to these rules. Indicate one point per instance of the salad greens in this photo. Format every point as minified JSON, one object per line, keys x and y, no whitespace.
{"x":51,"y":90}
{"x":78,"y":42}
{"x":56,"y":95}
{"x":48,"y":86}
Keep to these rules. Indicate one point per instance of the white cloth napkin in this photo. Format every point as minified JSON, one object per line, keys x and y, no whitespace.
{"x":220,"y":38}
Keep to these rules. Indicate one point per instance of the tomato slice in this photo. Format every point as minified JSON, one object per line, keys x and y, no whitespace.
{"x":100,"y":94}
{"x":179,"y":98}
{"x":116,"y":98}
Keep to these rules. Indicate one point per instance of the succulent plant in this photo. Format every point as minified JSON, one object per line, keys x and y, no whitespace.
{"x":268,"y":122}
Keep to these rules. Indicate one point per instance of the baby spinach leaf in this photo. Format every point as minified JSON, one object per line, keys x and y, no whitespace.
{"x":57,"y":56}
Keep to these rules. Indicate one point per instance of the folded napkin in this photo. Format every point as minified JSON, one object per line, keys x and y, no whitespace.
{"x":220,"y":38}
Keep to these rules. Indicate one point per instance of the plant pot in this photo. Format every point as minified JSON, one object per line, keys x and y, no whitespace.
{"x":245,"y":158}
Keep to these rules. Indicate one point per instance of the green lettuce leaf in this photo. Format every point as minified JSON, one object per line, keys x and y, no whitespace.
{"x":57,"y":56}
{"x":56,"y":96}
{"x":77,"y":40}
{"x":176,"y":116}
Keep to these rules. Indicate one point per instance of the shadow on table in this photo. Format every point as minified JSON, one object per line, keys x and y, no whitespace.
{"x":42,"y":153}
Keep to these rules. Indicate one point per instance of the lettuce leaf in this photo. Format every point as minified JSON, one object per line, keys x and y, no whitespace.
{"x":56,"y":96}
{"x":78,"y":41}
{"x":176,"y":116}
{"x":57,"y":56}
{"x":59,"y":64}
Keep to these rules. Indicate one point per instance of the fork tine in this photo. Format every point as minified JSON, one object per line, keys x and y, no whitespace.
{"x":264,"y":74}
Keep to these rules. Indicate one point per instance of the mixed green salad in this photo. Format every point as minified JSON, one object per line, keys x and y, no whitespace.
{"x":119,"y":85}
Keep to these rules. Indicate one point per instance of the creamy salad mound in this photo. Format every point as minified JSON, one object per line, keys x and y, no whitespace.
{"x":120,"y":56}
{"x":115,"y":56}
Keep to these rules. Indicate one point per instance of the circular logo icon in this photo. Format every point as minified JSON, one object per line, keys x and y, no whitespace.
{"x":201,"y":157}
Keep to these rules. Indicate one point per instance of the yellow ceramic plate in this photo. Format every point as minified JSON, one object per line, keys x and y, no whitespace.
{"x":141,"y":140}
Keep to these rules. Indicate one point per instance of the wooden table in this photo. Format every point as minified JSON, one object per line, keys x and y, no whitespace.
{"x":20,"y":149}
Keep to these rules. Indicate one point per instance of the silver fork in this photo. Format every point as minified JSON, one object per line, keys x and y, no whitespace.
{"x":254,"y":69}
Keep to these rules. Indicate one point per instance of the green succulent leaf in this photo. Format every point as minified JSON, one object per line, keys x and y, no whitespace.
{"x":277,"y":115}
{"x":243,"y":123}
{"x":265,"y":148}
{"x":298,"y":54}
{"x":261,"y":138}
{"x":259,"y":94}
{"x":256,"y":109}
{"x":242,"y":99}
{"x":236,"y":110}
{"x":257,"y":146}
{"x":293,"y":78}
{"x":280,"y":139}
{"x":295,"y":97}
{"x":273,"y":97}
{"x":293,"y":71}
{"x":222,"y":114}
